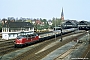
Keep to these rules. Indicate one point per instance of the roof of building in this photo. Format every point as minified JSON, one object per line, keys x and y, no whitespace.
{"x":70,"y":22}
{"x":83,"y":22}
{"x":18,"y":25}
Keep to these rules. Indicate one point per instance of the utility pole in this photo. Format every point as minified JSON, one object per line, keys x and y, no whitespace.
{"x":35,"y":26}
{"x":55,"y":28}
{"x":61,"y":35}
{"x":61,"y":29}
{"x":89,"y":36}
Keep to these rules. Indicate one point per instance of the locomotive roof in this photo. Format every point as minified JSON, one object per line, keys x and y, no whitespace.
{"x":18,"y":25}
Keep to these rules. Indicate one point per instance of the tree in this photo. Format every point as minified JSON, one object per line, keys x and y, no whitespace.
{"x":11,"y":19}
{"x":4,"y":21}
{"x":56,"y":21}
{"x":0,"y":27}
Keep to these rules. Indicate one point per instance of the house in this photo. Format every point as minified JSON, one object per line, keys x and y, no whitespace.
{"x":33,"y":22}
{"x":38,"y":22}
{"x":69,"y":24}
{"x":50,"y":22}
{"x":11,"y":30}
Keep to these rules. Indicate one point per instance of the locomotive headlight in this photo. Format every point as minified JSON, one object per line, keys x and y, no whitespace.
{"x":87,"y":25}
{"x":39,"y":36}
{"x":20,"y":39}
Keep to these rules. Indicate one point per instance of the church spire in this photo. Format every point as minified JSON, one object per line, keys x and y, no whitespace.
{"x":62,"y":14}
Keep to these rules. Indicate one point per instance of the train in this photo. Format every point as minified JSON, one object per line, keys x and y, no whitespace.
{"x":57,"y":28}
{"x":23,"y":40}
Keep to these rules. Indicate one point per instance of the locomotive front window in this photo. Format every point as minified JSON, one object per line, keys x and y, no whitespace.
{"x":29,"y":35}
{"x":32,"y":35}
{"x":21,"y":36}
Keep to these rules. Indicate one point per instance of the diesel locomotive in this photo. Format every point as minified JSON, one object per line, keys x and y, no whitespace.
{"x":22,"y":40}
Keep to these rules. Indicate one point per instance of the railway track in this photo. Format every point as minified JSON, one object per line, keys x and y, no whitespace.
{"x":86,"y":53}
{"x":7,"y":49}
{"x":6,"y":44}
{"x":33,"y":55}
{"x":62,"y":56}
{"x":4,"y":41}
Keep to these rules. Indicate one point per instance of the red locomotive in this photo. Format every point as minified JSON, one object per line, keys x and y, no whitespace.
{"x":22,"y":40}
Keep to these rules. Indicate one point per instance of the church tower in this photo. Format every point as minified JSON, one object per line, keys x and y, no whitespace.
{"x":62,"y":15}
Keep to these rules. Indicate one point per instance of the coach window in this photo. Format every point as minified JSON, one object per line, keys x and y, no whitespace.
{"x":29,"y":36}
{"x":33,"y":35}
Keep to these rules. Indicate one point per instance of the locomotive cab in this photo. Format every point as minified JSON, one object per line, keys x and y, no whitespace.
{"x":20,"y":40}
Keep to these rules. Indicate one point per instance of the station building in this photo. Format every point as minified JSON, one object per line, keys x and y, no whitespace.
{"x":11,"y":30}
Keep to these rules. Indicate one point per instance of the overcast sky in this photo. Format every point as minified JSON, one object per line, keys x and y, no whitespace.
{"x":73,"y":9}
